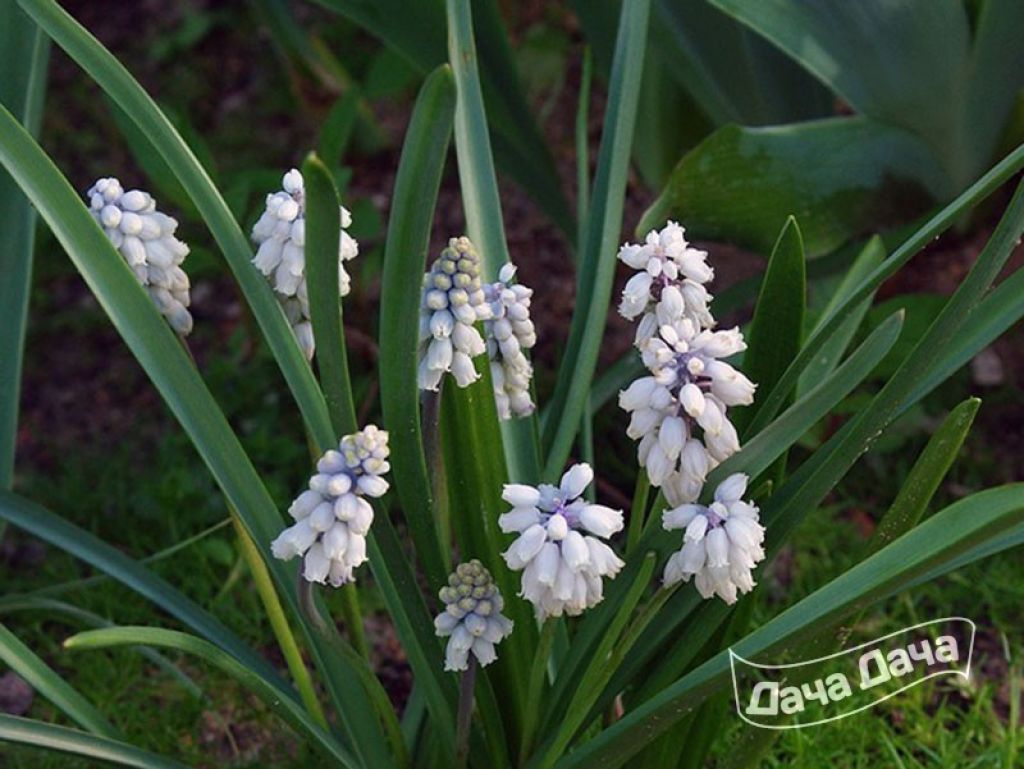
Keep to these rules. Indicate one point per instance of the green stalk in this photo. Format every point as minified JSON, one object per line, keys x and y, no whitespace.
{"x":465,"y":715}
{"x":278,"y":622}
{"x":638,"y":510}
{"x":434,"y":452}
{"x":536,"y":686}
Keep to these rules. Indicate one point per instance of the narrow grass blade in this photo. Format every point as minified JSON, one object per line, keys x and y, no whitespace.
{"x":125,"y":91}
{"x":408,"y":240}
{"x":52,"y":686}
{"x":931,"y":548}
{"x":41,"y":523}
{"x":941,"y":221}
{"x":24,"y":54}
{"x":778,"y":324}
{"x":26,"y":731}
{"x":483,"y":207}
{"x":278,"y":701}
{"x":925,"y":476}
{"x":604,"y":225}
{"x":28,"y":603}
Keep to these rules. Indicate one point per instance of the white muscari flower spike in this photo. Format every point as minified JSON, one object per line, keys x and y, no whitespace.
{"x":679,"y":411}
{"x":509,"y":332}
{"x":722,"y":544}
{"x":559,"y":547}
{"x":472,"y":619}
{"x":280,"y":236}
{"x":333,"y":516}
{"x":452,"y":302}
{"x":145,"y":238}
{"x":669,"y":284}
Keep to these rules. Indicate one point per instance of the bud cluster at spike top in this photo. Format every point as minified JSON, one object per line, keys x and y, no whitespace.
{"x":332,"y":516}
{"x":145,"y":238}
{"x":679,"y":409}
{"x":471,"y":619}
{"x":280,"y":237}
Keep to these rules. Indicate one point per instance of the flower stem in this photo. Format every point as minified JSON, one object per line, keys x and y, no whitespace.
{"x":465,"y":714}
{"x":638,"y":509}
{"x":278,"y":622}
{"x":538,"y":673}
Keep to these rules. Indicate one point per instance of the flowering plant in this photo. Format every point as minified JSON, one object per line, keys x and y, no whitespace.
{"x":566,"y":632}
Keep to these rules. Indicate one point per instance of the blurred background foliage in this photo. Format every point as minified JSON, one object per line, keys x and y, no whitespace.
{"x":856,"y":117}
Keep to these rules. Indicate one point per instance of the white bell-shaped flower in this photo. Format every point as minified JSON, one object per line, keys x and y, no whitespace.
{"x":280,"y":237}
{"x":559,"y":547}
{"x":722,"y":544}
{"x":333,"y":516}
{"x":472,"y":619}
{"x":510,"y":333}
{"x":145,"y":238}
{"x":453,"y":301}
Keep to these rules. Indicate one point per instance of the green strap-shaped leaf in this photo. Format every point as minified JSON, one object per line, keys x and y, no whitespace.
{"x":277,"y":700}
{"x":925,"y":476}
{"x":922,"y":237}
{"x":604,"y":225}
{"x":26,"y":731}
{"x":24,"y":54}
{"x":483,"y":208}
{"x":416,"y":186}
{"x":417,"y":32}
{"x":125,"y":91}
{"x":323,"y":237}
{"x":50,"y":685}
{"x":830,"y":351}
{"x":931,"y":548}
{"x":778,"y":324}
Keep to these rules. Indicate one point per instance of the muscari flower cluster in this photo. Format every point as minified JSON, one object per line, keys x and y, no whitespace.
{"x":280,"y":235}
{"x":453,"y":301}
{"x":472,"y":619}
{"x":722,"y":543}
{"x":509,"y":332}
{"x":559,"y":547}
{"x":679,"y":410}
{"x":145,"y":238}
{"x":333,"y":516}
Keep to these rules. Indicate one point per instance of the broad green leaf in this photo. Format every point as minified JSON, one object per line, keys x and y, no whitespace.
{"x":124,"y":90}
{"x":277,"y":700}
{"x":24,"y":54}
{"x":26,"y":731}
{"x":932,"y":547}
{"x":167,"y":364}
{"x":734,"y":75}
{"x":937,"y":224}
{"x":483,"y":207}
{"x":417,"y":31}
{"x":405,"y":255}
{"x":836,"y":175}
{"x":925,"y":476}
{"x":41,"y":523}
{"x":831,"y":351}
{"x":778,"y":324}
{"x":604,"y":225}
{"x":29,"y":603}
{"x":52,"y":686}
